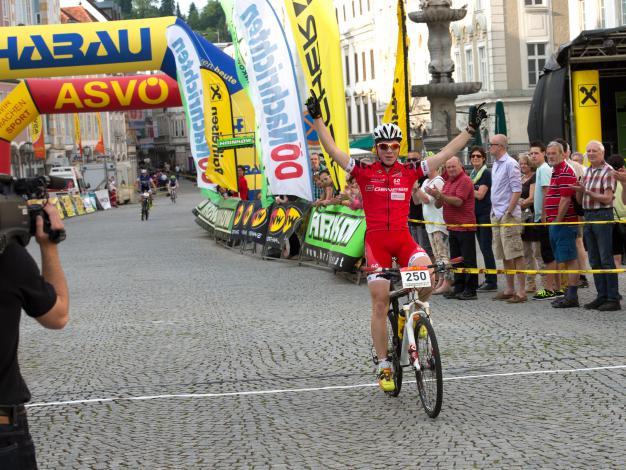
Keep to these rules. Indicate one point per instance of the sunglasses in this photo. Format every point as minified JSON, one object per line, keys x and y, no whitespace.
{"x":384,"y":147}
{"x":476,"y":155}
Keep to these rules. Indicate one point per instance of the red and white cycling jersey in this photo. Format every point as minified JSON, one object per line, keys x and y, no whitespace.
{"x":386,"y":194}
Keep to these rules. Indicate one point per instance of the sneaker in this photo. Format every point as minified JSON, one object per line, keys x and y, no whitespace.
{"x":484,"y":287}
{"x":565,"y":302}
{"x":385,"y":378}
{"x":544,"y":294}
{"x":583,"y":283}
{"x":559,"y":293}
{"x":595,"y":304}
{"x":610,"y":306}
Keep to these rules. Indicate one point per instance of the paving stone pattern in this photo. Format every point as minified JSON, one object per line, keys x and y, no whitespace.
{"x":157,"y":308}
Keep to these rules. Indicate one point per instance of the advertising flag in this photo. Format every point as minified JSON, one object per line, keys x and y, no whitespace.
{"x":221,"y":167}
{"x":79,"y":142}
{"x":316,"y":33}
{"x":274,"y":93}
{"x":396,"y":111}
{"x":586,"y":104}
{"x":181,"y":42}
{"x":99,"y":149}
{"x":35,"y":133}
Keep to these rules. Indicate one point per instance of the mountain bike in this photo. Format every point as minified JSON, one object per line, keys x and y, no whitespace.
{"x":173,"y":195}
{"x":411,"y":337}
{"x":145,"y":205}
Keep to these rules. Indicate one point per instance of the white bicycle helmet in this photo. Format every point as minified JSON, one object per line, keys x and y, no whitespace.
{"x":387,"y":131}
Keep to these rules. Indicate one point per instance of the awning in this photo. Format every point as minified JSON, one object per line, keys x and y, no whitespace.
{"x":365,"y":142}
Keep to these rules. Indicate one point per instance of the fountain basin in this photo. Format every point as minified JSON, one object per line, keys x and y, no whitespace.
{"x":435,"y":15}
{"x":451,"y":90}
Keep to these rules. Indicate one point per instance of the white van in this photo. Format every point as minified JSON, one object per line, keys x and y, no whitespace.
{"x":75,"y":183}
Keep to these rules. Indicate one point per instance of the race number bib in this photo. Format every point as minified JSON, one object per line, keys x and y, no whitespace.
{"x":415,"y":276}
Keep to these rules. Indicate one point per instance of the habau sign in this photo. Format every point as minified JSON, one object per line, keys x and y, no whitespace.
{"x":110,"y":94}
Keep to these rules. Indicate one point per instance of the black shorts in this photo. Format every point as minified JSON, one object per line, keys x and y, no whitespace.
{"x":619,"y":239}
{"x":541,"y":232}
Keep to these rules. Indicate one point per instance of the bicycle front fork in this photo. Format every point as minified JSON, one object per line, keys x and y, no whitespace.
{"x":409,"y":354}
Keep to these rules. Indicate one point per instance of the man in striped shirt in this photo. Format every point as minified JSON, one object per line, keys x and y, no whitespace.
{"x":595,"y":193}
{"x":558,"y":207}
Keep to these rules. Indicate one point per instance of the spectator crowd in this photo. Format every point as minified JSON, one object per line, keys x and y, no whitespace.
{"x":545,"y":184}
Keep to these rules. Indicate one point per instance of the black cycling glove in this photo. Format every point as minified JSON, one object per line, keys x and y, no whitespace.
{"x":313,"y":106}
{"x":477,"y":114}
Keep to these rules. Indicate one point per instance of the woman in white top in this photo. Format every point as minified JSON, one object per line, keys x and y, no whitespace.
{"x":437,"y":231}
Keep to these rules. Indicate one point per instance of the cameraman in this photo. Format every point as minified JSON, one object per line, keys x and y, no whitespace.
{"x":43,"y":297}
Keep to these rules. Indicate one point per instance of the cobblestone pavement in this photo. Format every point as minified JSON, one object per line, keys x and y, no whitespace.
{"x":158,"y":308}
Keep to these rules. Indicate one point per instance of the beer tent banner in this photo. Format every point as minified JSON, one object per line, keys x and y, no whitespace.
{"x":396,"y":111}
{"x":316,"y":33}
{"x":336,"y":236}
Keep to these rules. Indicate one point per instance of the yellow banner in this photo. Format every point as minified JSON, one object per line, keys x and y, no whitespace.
{"x":221,"y":167}
{"x":396,"y":109}
{"x":99,"y":148}
{"x":16,"y":112}
{"x":35,"y":132}
{"x":77,"y":135}
{"x":68,"y":206}
{"x":83,"y":48}
{"x":316,"y":33}
{"x":79,"y":204}
{"x":244,"y":123}
{"x":586,"y":103}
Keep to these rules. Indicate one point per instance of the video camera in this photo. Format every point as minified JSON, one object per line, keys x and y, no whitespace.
{"x":17,"y":217}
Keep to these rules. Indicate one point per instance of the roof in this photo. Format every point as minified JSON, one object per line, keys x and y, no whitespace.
{"x":76,"y":14}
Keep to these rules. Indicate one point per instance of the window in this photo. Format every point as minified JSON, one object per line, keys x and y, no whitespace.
{"x":366,"y":115}
{"x":478,"y":5}
{"x":349,"y":108}
{"x":359,"y":128}
{"x":602,"y":19}
{"x":374,"y":117}
{"x":347,"y":70}
{"x":373,"y":74}
{"x":483,"y":70}
{"x":337,"y":15}
{"x":536,"y":61}
{"x":457,"y":66}
{"x":356,"y":68}
{"x":469,"y":64}
{"x":533,"y":2}
{"x":363,"y":60}
{"x":623,"y":12}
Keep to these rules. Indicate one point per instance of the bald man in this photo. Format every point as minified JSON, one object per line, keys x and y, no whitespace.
{"x":457,"y":200}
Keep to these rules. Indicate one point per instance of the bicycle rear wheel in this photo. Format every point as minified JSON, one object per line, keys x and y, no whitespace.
{"x":393,"y":349}
{"x":430,"y":377}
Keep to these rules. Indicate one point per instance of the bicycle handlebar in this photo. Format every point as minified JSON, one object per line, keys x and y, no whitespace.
{"x":437,"y":267}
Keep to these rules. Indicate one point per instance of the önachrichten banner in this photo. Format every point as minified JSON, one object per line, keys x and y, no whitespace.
{"x":274,"y":93}
{"x":336,"y":236}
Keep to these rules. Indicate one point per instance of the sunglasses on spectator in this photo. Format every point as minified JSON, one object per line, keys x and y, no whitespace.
{"x":476,"y":155}
{"x":491,"y":144}
{"x":384,"y":147}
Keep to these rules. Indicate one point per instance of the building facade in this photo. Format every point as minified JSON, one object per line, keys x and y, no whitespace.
{"x":595,"y":14}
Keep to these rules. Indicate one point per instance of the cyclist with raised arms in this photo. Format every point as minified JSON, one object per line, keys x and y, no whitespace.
{"x":386,"y":187}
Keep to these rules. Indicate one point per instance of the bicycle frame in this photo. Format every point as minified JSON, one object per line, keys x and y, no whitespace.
{"x":412,"y":312}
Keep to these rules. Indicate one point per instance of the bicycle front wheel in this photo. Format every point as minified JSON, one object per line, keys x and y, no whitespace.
{"x":430,"y":376}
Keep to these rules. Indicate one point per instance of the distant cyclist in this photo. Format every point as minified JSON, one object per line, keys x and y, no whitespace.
{"x":145,"y":183}
{"x":172,"y":187}
{"x":386,"y":191}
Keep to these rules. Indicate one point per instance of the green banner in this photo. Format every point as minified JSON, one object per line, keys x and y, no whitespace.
{"x":236,"y":142}
{"x":336,"y":236}
{"x":205,"y":214}
{"x":225,"y":215}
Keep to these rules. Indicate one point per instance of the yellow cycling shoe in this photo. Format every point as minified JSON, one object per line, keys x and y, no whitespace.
{"x":385,"y":380}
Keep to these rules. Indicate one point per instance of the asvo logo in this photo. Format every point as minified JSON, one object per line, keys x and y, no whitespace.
{"x":283,"y":219}
{"x":336,"y":229}
{"x":259,"y":218}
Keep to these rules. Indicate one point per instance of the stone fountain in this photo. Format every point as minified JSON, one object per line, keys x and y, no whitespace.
{"x":442,"y":90}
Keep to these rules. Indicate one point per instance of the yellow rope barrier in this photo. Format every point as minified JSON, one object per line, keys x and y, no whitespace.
{"x":523,"y":224}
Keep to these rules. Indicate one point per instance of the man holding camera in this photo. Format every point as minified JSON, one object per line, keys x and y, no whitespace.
{"x":42,"y":296}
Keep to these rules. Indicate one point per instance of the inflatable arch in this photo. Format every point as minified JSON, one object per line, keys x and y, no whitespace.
{"x":212,"y":92}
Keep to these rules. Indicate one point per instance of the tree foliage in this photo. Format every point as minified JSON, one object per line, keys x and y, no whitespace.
{"x":167,"y":8}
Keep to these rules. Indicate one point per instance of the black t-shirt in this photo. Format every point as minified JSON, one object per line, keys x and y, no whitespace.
{"x":483,"y":207}
{"x":21,"y":287}
{"x":416,"y":211}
